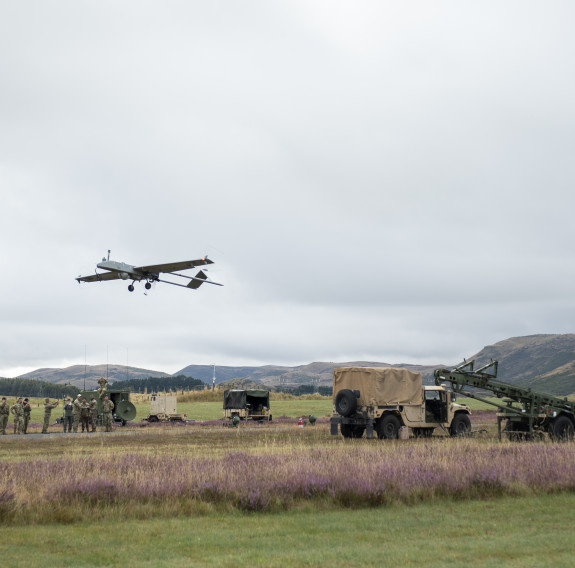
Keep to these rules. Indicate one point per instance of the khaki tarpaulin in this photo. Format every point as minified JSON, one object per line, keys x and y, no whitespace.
{"x":380,"y":386}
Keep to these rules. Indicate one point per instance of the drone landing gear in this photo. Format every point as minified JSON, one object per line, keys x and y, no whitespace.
{"x":148,"y":286}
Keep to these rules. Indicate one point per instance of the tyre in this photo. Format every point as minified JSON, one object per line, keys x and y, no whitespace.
{"x":345,"y":402}
{"x":352,"y":430}
{"x":387,"y":427}
{"x":460,"y":426}
{"x":562,"y":429}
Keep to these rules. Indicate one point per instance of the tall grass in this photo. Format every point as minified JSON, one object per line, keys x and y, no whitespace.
{"x":285,"y":476}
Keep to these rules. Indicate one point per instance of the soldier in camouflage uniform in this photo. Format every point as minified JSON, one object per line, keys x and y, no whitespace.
{"x":13,"y":412}
{"x":93,"y":412}
{"x":76,"y":414}
{"x":107,"y":408}
{"x":48,"y":406}
{"x":85,"y":415}
{"x":18,"y":412}
{"x":4,"y":414}
{"x":103,"y":386}
{"x":68,"y":417}
{"x":26,"y":417}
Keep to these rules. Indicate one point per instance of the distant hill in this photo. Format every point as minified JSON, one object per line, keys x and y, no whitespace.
{"x":319,"y":373}
{"x":542,"y":362}
{"x":76,"y":374}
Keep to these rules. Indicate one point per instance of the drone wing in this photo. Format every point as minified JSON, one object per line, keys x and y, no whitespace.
{"x":173,"y":266}
{"x":99,"y":277}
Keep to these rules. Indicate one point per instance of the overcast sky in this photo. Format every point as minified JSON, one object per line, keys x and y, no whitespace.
{"x":386,"y":181}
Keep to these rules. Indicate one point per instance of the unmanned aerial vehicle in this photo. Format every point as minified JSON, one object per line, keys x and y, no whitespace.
{"x":115,"y":270}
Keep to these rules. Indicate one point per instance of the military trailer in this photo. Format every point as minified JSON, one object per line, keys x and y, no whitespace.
{"x":163,"y":408}
{"x":525,"y":414}
{"x":124,"y":410}
{"x":368,"y":399}
{"x":247,"y":404}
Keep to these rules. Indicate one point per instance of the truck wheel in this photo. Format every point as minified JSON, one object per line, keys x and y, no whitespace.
{"x":562,"y":429}
{"x":460,"y":426}
{"x":387,"y":427}
{"x":352,"y":430}
{"x":345,"y":402}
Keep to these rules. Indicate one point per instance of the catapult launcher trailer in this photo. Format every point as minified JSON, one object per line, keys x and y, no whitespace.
{"x":527,"y":414}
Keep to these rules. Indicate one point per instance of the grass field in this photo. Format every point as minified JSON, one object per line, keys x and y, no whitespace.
{"x":524,"y":532}
{"x":278,"y":495}
{"x":202,"y":410}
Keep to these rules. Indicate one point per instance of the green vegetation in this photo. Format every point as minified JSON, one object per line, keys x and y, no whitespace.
{"x":279,"y":408}
{"x":178,"y":492}
{"x":31,"y":387}
{"x":472,"y":534}
{"x":159,"y":384}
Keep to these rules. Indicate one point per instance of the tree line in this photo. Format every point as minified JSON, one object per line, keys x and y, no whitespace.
{"x":156,"y":384}
{"x":306,"y":389}
{"x":35,"y":388}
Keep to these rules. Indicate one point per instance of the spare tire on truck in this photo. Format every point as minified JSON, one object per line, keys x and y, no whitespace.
{"x":345,"y":402}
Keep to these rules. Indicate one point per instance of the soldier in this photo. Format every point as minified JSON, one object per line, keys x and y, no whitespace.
{"x":107,"y":408}
{"x":18,"y":412}
{"x":93,"y":412}
{"x":48,"y":406}
{"x":68,"y":416}
{"x":76,"y":414}
{"x":26,"y":416}
{"x":85,"y":415}
{"x":103,"y":386}
{"x":4,"y":414}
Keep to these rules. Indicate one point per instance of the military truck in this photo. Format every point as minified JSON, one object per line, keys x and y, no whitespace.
{"x":163,"y":408}
{"x":247,"y":404}
{"x":368,"y":399}
{"x":124,"y":410}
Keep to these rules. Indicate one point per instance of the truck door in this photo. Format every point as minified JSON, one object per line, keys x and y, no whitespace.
{"x":435,"y":406}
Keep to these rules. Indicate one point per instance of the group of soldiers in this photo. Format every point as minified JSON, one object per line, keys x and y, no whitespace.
{"x":79,"y":412}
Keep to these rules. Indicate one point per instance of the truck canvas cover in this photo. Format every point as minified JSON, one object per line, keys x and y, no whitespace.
{"x":380,"y":386}
{"x":239,"y":398}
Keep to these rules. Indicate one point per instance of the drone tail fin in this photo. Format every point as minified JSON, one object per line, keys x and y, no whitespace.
{"x":198,"y":280}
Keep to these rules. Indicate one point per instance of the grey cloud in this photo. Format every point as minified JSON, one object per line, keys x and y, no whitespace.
{"x":372,"y":181}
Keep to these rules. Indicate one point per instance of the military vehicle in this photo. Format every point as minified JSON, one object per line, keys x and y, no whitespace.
{"x":526,"y":414}
{"x":247,"y":405}
{"x":163,"y":408}
{"x":124,"y":410}
{"x":368,"y":399}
